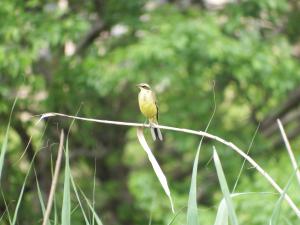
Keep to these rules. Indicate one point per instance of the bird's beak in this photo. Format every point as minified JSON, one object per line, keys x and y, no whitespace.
{"x":138,"y":85}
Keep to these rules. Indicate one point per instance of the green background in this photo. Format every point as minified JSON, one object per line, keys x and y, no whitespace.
{"x":246,"y":52}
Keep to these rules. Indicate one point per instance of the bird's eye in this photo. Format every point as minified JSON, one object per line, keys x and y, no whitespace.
{"x":146,"y":87}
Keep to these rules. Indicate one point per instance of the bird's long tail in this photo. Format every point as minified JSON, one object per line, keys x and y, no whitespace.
{"x":155,"y":131}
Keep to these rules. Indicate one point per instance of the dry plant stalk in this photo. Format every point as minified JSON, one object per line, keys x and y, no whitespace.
{"x":54,"y":180}
{"x":199,"y":133}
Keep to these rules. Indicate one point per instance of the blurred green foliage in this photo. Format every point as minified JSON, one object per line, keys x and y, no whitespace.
{"x":245,"y":48}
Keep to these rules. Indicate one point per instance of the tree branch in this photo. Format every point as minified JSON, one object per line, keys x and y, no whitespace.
{"x":292,"y":102}
{"x":99,"y":7}
{"x":291,"y":135}
{"x":286,"y":119}
{"x":96,"y":29}
{"x":90,"y":37}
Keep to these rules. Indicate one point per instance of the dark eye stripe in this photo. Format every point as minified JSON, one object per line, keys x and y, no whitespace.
{"x":146,"y":87}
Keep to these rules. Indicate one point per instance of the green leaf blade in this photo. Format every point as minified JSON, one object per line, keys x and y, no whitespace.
{"x":225,"y":189}
{"x":66,"y":205}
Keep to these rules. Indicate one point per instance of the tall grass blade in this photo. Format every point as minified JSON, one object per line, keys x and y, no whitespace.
{"x":55,"y":212}
{"x":192,"y":209}
{"x":56,"y":219}
{"x":66,"y":205}
{"x":151,"y":212}
{"x":277,"y":210}
{"x":222,"y":214}
{"x":79,"y":201}
{"x":224,"y":188}
{"x":94,"y":188}
{"x":287,"y":221}
{"x":6,"y":208}
{"x":1,"y":217}
{"x":175,"y":215}
{"x":5,"y":140}
{"x":244,"y":161}
{"x":40,"y":196}
{"x":98,"y":221}
{"x":21,"y":193}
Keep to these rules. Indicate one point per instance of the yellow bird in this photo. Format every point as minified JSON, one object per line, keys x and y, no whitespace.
{"x":148,"y":106}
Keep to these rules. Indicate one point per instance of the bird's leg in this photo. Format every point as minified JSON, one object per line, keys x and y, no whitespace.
{"x":151,"y":125}
{"x":145,"y":123}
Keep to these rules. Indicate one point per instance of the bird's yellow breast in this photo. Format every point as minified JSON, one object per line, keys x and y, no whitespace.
{"x":147,"y":104}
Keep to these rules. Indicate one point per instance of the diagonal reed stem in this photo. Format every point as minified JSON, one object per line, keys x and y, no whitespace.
{"x":199,"y":133}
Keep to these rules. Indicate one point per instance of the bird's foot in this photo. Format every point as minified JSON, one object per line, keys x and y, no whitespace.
{"x":145,"y":124}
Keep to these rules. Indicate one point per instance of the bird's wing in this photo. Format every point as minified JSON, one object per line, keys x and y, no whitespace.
{"x":155,"y":102}
{"x":156,"y":111}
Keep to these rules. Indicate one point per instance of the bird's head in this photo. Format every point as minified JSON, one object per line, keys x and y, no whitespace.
{"x":143,"y":86}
